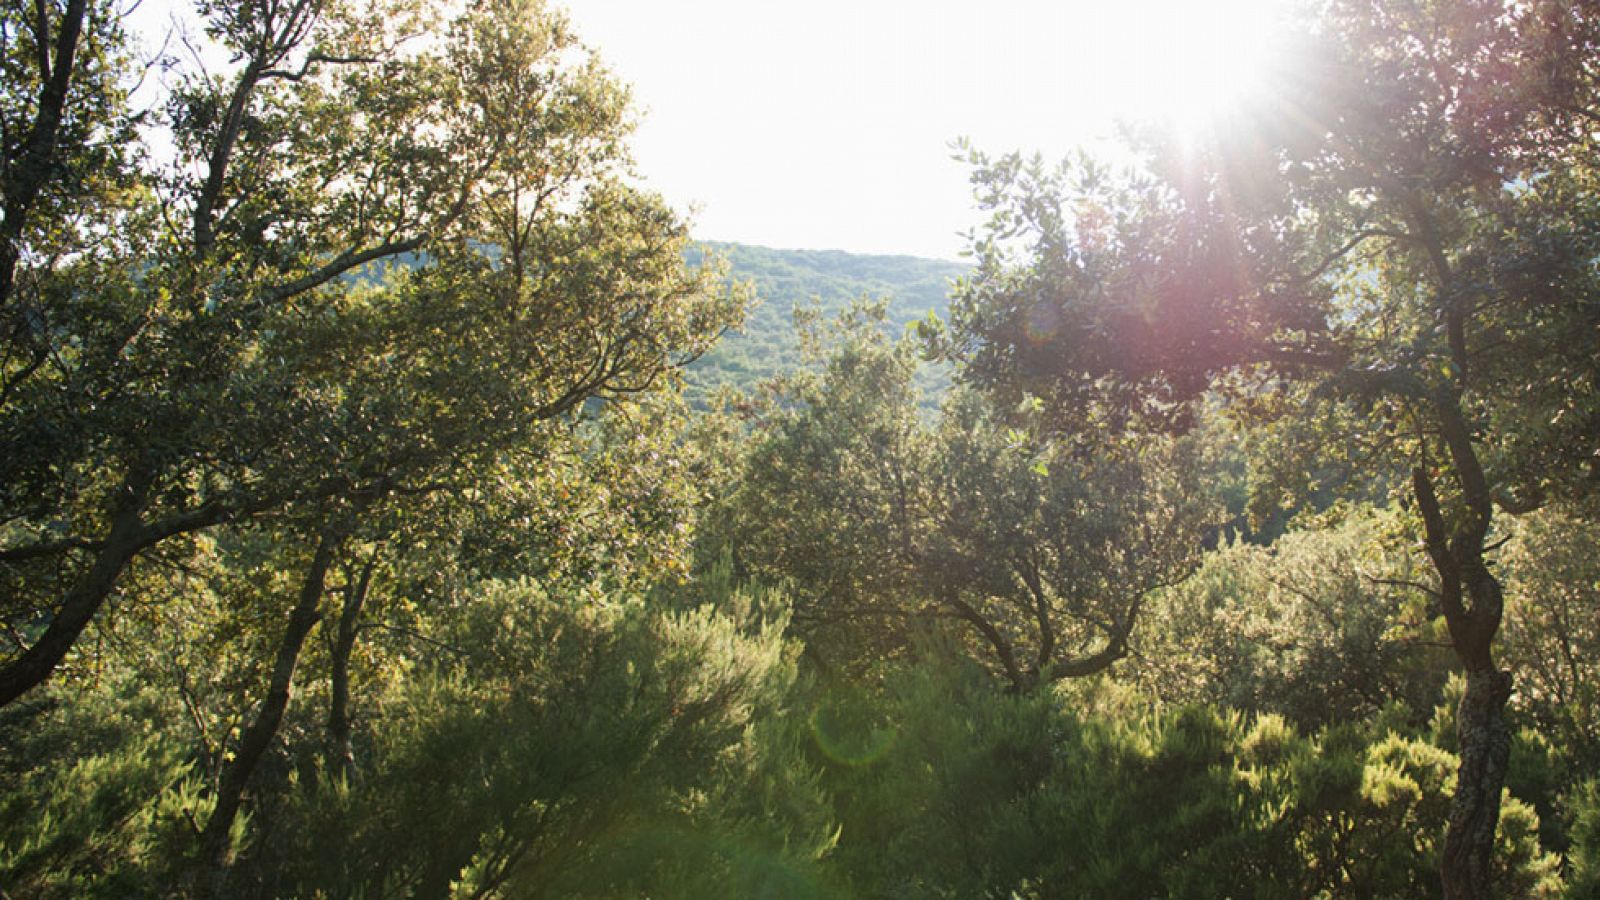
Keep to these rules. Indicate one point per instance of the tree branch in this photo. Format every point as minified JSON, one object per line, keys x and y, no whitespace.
{"x":48,"y":548}
{"x":344,"y":262}
{"x":312,"y":60}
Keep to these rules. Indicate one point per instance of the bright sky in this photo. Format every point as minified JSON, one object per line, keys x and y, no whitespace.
{"x":827,"y":123}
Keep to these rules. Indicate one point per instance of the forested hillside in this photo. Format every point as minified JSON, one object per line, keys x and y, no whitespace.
{"x":821,"y":284}
{"x":368,"y":527}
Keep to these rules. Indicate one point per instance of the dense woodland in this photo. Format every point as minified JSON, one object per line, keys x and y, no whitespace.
{"x":358,"y":537}
{"x":813,"y":285}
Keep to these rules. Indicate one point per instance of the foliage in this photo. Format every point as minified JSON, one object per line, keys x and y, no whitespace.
{"x":98,"y":801}
{"x":1552,"y":634}
{"x":548,"y":757}
{"x":576,"y":747}
{"x":1406,"y":227}
{"x":819,"y":284}
{"x":1585,"y":856}
{"x":357,"y":538}
{"x":1327,"y":624}
{"x":1043,"y":551}
{"x":1083,"y":793}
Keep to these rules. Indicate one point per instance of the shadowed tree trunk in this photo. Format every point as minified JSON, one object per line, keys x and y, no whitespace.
{"x":1473,"y":603}
{"x":215,"y":844}
{"x":341,"y":757}
{"x":1475,"y":808}
{"x":78,"y":607}
{"x":36,"y":162}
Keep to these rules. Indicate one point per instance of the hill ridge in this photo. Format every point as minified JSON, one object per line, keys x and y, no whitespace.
{"x":766,"y":345}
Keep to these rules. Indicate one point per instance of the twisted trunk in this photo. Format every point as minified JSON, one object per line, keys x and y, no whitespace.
{"x":1473,"y":604}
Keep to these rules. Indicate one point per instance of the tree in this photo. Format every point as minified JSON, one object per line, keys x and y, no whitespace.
{"x":1552,"y":635}
{"x":831,"y":494}
{"x":374,"y":262}
{"x":1408,"y":227}
{"x":1327,"y":625}
{"x":1092,"y":792}
{"x":1050,"y":548}
{"x":1043,"y":551}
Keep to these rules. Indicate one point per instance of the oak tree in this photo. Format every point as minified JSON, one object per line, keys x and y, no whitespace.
{"x":375,"y":259}
{"x":1406,"y":225}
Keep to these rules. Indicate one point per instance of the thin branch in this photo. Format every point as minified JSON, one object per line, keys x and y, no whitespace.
{"x":313,"y":59}
{"x":1344,"y":250}
{"x":48,"y":548}
{"x":1401,"y":582}
{"x":414,"y":635}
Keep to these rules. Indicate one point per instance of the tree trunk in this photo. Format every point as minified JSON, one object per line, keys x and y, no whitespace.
{"x":77,"y":609}
{"x":341,"y":757}
{"x":1485,"y":743}
{"x":129,"y":535}
{"x":1467,"y":866}
{"x":215,"y":844}
{"x":27,"y":176}
{"x":1482,"y":736}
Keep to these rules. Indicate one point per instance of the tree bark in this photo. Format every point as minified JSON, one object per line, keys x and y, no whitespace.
{"x":31,"y":171}
{"x":341,"y":756}
{"x":215,"y":846}
{"x":1485,"y":741}
{"x":1482,"y":736}
{"x":1020,"y":683}
{"x":78,"y":607}
{"x":130,"y":535}
{"x":1473,"y":604}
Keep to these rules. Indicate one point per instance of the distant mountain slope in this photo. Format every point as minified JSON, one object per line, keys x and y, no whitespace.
{"x":767,"y":344}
